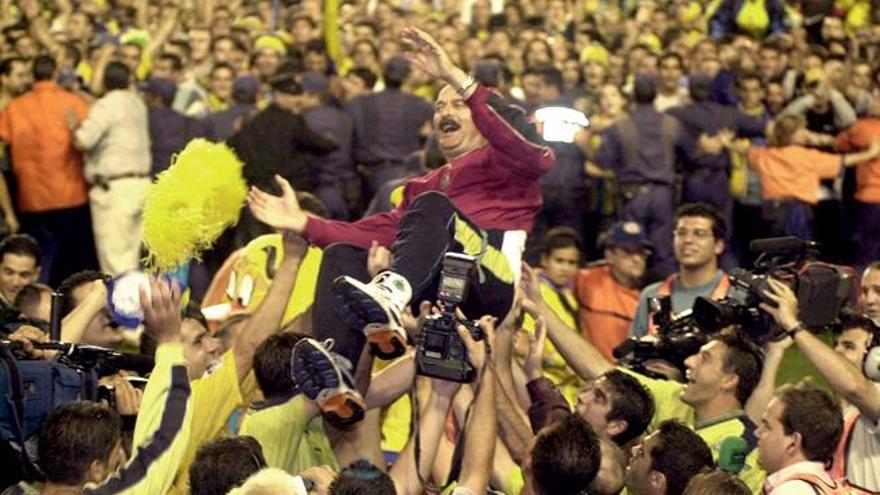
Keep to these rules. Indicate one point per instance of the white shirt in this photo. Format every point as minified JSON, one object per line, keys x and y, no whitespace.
{"x":116,"y":136}
{"x":776,"y":483}
{"x":863,"y":455}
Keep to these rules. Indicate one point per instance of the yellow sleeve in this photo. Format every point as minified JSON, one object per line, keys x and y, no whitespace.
{"x":279,"y":429}
{"x":162,"y":430}
{"x":214,"y":398}
{"x":331,"y":32}
{"x":667,"y":400}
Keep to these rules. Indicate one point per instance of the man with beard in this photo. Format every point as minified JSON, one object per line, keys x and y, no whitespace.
{"x":481,"y":203}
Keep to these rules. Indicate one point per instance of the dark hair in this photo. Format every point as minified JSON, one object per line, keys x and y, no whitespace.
{"x":365,"y":75}
{"x":716,"y":482}
{"x":679,"y":454}
{"x":272,"y":365}
{"x":176,"y":63}
{"x":362,"y":478}
{"x":632,"y":403}
{"x":784,"y":128}
{"x":218,"y":39}
{"x":565,"y":457}
{"x":44,"y":68}
{"x":316,"y":46}
{"x":224,"y":464}
{"x":747,"y":76}
{"x":73,"y":436}
{"x":72,"y":282}
{"x":312,"y":204}
{"x":22,"y":245}
{"x":116,"y":76}
{"x":222,"y":65}
{"x":671,"y":55}
{"x":7,"y":62}
{"x":704,"y":210}
{"x":72,"y":52}
{"x":551,"y":76}
{"x":303,"y":17}
{"x":744,"y":359}
{"x":644,"y":90}
{"x":814,"y":414}
{"x":193,"y":312}
{"x":559,"y":238}
{"x":28,"y":298}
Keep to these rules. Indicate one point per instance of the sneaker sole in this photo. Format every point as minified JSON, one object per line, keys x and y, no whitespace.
{"x":361,"y":313}
{"x":321,"y":382}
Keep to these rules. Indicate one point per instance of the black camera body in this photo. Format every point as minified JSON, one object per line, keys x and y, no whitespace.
{"x":441,"y":353}
{"x":822,"y":290}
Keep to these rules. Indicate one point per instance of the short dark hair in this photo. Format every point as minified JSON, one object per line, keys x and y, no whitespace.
{"x":744,"y":359}
{"x":704,"y":210}
{"x":224,"y":464}
{"x":272,"y":365}
{"x":716,"y":482}
{"x":680,"y":454}
{"x":565,"y":457}
{"x":28,"y":298}
{"x":551,"y":76}
{"x":814,"y":414}
{"x":747,"y":76}
{"x":72,"y":282}
{"x":116,"y":76}
{"x":216,"y":41}
{"x":22,"y":245}
{"x":361,"y":478}
{"x":222,"y":65}
{"x":176,"y":63}
{"x":44,"y":68}
{"x":559,"y":238}
{"x":671,"y":56}
{"x":73,"y":436}
{"x":7,"y":62}
{"x":366,"y":75}
{"x":631,"y":402}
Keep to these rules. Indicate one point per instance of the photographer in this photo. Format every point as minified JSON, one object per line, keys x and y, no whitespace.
{"x":720,"y":380}
{"x":80,"y":441}
{"x":698,"y":242}
{"x":856,"y":459}
{"x":481,"y":203}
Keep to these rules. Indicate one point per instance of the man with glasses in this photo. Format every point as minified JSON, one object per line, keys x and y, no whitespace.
{"x":698,"y":241}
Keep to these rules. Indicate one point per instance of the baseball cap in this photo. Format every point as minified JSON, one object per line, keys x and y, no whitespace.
{"x":627,"y":235}
{"x":270,"y":42}
{"x":161,"y":87}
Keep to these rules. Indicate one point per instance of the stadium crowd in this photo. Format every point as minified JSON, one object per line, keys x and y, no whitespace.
{"x":605,"y":165}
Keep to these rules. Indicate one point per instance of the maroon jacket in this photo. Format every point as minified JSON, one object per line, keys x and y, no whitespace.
{"x":497,"y":186}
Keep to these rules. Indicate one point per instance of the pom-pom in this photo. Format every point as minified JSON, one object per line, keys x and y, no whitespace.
{"x":191,"y":203}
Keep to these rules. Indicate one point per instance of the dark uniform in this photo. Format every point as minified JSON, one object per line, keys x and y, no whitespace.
{"x":335,"y":170}
{"x":170,"y":131}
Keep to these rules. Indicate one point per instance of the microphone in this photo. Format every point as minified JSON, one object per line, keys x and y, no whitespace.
{"x":779,"y":245}
{"x":732,"y":454}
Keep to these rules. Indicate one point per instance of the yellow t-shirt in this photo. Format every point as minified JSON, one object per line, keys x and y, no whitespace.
{"x":290,"y":439}
{"x":214,"y":398}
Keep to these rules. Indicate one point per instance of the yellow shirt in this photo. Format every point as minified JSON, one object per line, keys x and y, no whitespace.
{"x":214,"y":398}
{"x":290,"y":440}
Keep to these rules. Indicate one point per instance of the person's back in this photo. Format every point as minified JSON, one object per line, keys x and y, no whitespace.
{"x":170,"y":131}
{"x":120,"y":139}
{"x":387,"y":125}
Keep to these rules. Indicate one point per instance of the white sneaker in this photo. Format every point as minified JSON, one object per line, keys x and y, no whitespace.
{"x":376,"y":310}
{"x":322,"y":376}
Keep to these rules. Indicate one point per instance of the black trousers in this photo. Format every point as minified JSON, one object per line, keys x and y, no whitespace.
{"x":66,"y":241}
{"x":431,"y":227}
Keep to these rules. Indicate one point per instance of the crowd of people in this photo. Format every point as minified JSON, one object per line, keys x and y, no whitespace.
{"x":603,"y":165}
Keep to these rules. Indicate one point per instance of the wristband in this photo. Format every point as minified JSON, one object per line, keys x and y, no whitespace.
{"x":794,"y":330}
{"x":466,"y":85}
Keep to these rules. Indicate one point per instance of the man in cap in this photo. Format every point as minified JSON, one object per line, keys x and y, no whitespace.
{"x":336,"y":172}
{"x":388,"y":126}
{"x":608,"y":290}
{"x":170,"y":130}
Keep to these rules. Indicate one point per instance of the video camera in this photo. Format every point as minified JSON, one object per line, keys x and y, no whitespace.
{"x":441,"y":353}
{"x":822,"y":290}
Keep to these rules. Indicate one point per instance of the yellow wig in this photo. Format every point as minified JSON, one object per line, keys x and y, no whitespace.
{"x":191,"y":203}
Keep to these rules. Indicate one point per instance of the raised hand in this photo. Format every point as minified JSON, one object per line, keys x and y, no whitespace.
{"x":279,"y":212}
{"x":425,"y":53}
{"x":161,"y":304}
{"x":534,"y":364}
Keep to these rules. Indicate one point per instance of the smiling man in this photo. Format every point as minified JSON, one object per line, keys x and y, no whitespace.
{"x":481,"y":203}
{"x":19,"y":266}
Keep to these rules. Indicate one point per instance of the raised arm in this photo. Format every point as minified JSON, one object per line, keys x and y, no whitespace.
{"x":841,"y":374}
{"x":583,"y":358}
{"x":266,"y":320}
{"x":763,"y":393}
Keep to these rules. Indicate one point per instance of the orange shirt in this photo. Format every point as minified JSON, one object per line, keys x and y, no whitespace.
{"x":859,"y":137}
{"x":607,"y":307}
{"x":793,"y":172}
{"x":47,"y":168}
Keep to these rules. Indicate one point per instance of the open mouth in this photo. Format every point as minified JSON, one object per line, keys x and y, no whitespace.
{"x":448,"y":125}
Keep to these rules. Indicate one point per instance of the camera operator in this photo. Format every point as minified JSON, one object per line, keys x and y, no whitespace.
{"x":798,"y":434}
{"x":720,"y":380}
{"x":481,"y":203}
{"x":698,"y":242}
{"x":843,"y":367}
{"x":80,"y":442}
